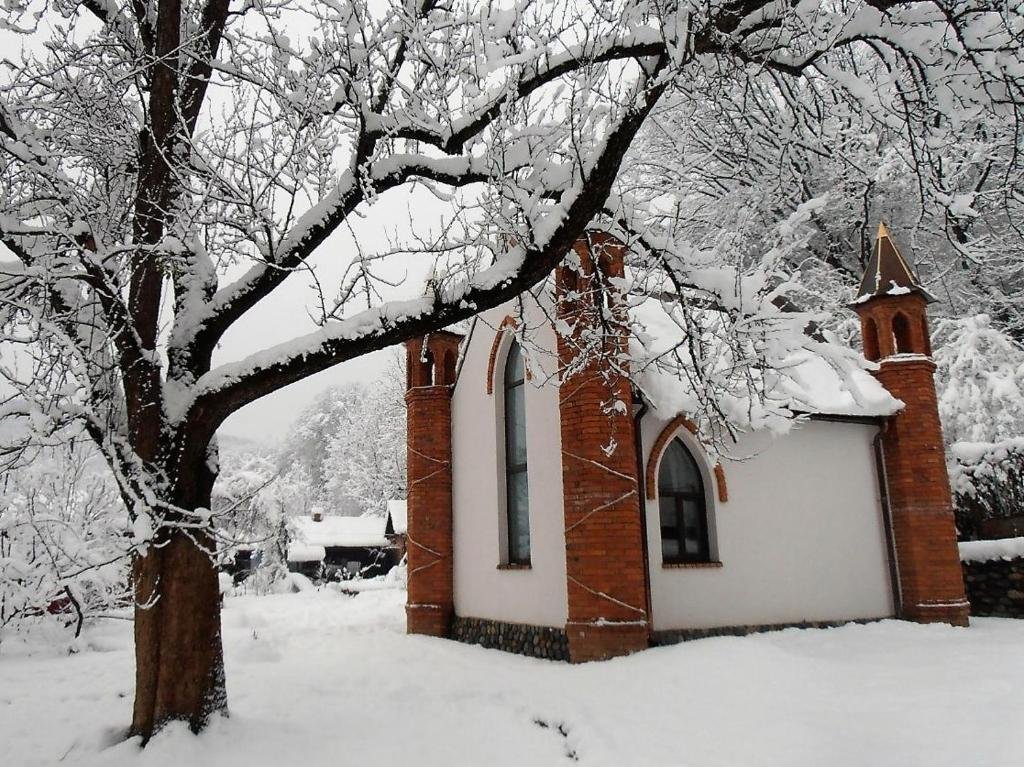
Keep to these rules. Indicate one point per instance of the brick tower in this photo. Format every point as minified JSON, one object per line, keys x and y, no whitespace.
{"x":892,"y":306}
{"x":430,"y":374}
{"x":605,"y":571}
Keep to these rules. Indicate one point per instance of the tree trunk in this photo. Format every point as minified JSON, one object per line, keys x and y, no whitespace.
{"x":179,"y":657}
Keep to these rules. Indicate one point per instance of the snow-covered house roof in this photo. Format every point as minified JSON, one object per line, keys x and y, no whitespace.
{"x":830,"y":381}
{"x":332,"y":531}
{"x":398,"y":516}
{"x":303,"y":552}
{"x":823,"y":391}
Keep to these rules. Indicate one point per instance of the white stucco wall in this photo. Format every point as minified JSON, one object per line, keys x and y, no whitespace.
{"x":801,"y":537}
{"x":538,"y":595}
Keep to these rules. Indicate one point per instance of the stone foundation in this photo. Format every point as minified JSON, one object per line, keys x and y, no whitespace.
{"x":675,"y":636}
{"x":520,"y":638}
{"x":996,"y":588}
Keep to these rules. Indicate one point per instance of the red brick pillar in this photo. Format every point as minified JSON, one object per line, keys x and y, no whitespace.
{"x":606,"y":578}
{"x":430,"y":377}
{"x":931,"y":584}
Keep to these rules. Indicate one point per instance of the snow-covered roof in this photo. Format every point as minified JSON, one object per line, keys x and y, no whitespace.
{"x":985,"y":551}
{"x":398,"y":512}
{"x":303,"y":552}
{"x":808,"y":382}
{"x":367,"y":530}
{"x":819,"y":388}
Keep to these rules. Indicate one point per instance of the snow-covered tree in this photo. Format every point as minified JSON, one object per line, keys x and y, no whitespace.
{"x":980,"y":377}
{"x":368,"y":457}
{"x":244,"y":473}
{"x":305,"y":448}
{"x":738,"y":160}
{"x":167,"y":165}
{"x":350,"y":442}
{"x":64,"y":548}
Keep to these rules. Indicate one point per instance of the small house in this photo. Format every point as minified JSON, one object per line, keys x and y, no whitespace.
{"x":396,"y":527}
{"x":335,"y":547}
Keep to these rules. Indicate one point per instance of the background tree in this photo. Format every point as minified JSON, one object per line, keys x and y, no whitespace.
{"x":64,"y":545}
{"x":245,"y":472}
{"x":350,"y":443}
{"x":726,"y":158}
{"x":980,"y":372}
{"x":168,"y":164}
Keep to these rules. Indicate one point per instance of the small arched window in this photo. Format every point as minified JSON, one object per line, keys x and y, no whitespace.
{"x":449,"y":368}
{"x":901,"y":334}
{"x":419,"y":367}
{"x":517,"y":501}
{"x":871,"y":351}
{"x":682,"y":507}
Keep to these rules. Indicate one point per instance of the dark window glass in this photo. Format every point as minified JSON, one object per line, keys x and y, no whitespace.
{"x":517,"y":501}
{"x":682,"y":507}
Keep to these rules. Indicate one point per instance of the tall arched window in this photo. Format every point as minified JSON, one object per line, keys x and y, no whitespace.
{"x":682,"y":506}
{"x":517,"y":502}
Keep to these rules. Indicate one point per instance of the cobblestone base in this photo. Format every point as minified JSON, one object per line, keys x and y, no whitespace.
{"x":520,"y":638}
{"x":676,"y":636}
{"x":995,"y":588}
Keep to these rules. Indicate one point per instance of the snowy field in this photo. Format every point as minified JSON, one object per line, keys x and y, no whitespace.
{"x":321,"y":678}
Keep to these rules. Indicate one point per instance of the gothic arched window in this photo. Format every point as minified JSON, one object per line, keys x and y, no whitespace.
{"x":682,"y":507}
{"x":517,"y":501}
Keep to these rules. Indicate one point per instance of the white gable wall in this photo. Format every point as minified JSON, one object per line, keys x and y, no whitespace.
{"x":538,"y":595}
{"x":801,"y":537}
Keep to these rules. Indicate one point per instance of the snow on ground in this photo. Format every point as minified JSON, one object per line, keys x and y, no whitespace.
{"x":324,"y":678}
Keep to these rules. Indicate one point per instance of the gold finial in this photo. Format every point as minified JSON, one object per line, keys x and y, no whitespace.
{"x":882,"y":230}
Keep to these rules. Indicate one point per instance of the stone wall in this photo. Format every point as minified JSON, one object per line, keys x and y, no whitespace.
{"x":996,"y":587}
{"x":520,"y":638}
{"x":676,"y":636}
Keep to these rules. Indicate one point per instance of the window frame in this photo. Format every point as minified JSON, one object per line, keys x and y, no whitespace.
{"x":679,"y":498}
{"x":512,"y":470}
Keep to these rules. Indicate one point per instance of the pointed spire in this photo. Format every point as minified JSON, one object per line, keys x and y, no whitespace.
{"x":888,"y":273}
